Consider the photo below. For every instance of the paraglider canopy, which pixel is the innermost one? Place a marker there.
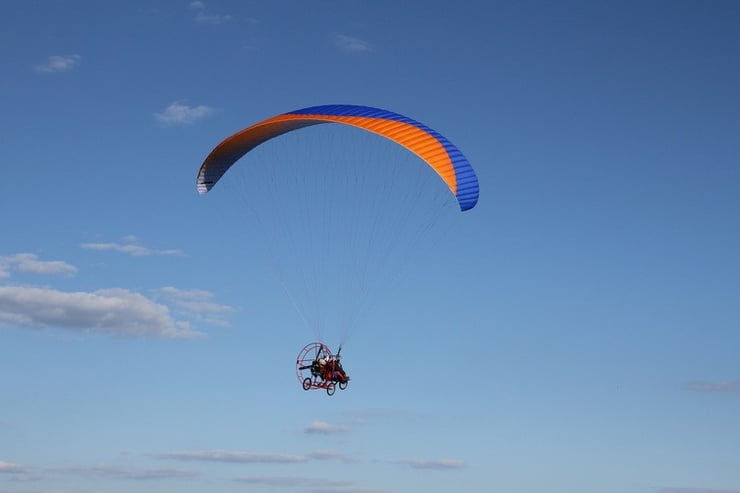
(438, 152)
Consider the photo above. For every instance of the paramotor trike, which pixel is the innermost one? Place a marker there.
(318, 368)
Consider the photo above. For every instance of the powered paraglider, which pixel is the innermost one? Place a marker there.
(340, 224)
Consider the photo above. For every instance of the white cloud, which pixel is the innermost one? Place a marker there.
(329, 455)
(28, 262)
(179, 113)
(208, 18)
(59, 63)
(348, 44)
(131, 247)
(110, 311)
(285, 481)
(195, 303)
(323, 428)
(242, 457)
(127, 472)
(335, 487)
(10, 468)
(718, 387)
(193, 300)
(441, 464)
(309, 485)
(205, 17)
(236, 457)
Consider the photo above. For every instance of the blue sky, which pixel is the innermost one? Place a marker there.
(577, 331)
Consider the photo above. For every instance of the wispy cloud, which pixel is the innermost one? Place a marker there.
(58, 63)
(441, 464)
(30, 263)
(10, 468)
(233, 457)
(110, 311)
(131, 246)
(195, 303)
(16, 472)
(285, 481)
(349, 44)
(309, 485)
(244, 457)
(204, 16)
(117, 472)
(326, 455)
(327, 487)
(323, 428)
(210, 18)
(178, 113)
(717, 387)
(193, 300)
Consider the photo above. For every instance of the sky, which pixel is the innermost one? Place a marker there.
(577, 331)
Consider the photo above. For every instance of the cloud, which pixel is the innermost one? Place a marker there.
(28, 262)
(205, 17)
(59, 63)
(327, 487)
(323, 428)
(242, 457)
(16, 473)
(309, 485)
(181, 114)
(193, 300)
(195, 303)
(10, 468)
(329, 455)
(441, 464)
(111, 311)
(348, 44)
(131, 246)
(127, 472)
(208, 18)
(233, 457)
(718, 387)
(285, 481)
